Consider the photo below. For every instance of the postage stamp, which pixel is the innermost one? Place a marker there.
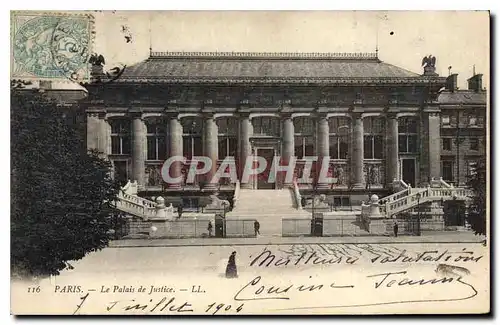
(49, 45)
(251, 163)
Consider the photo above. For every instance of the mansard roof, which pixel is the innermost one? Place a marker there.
(462, 97)
(245, 67)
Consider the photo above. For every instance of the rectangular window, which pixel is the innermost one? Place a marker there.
(445, 120)
(474, 144)
(265, 125)
(471, 167)
(378, 147)
(374, 147)
(156, 140)
(339, 147)
(472, 120)
(368, 147)
(339, 129)
(157, 148)
(446, 144)
(408, 143)
(304, 147)
(120, 137)
(447, 170)
(227, 147)
(192, 146)
(374, 128)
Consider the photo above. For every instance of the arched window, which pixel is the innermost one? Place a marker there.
(156, 139)
(340, 129)
(192, 144)
(228, 137)
(120, 136)
(374, 129)
(408, 134)
(266, 126)
(304, 137)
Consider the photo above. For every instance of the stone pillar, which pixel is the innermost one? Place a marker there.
(138, 156)
(357, 152)
(323, 136)
(392, 160)
(245, 147)
(175, 145)
(210, 149)
(104, 136)
(434, 149)
(288, 149)
(97, 133)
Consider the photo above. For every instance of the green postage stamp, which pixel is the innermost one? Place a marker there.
(51, 45)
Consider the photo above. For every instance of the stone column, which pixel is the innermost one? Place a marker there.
(392, 160)
(357, 152)
(104, 136)
(288, 149)
(210, 149)
(97, 133)
(323, 136)
(434, 136)
(138, 157)
(245, 147)
(175, 145)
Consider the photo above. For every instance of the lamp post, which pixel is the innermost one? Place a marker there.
(418, 214)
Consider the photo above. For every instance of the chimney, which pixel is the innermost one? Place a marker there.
(451, 82)
(476, 82)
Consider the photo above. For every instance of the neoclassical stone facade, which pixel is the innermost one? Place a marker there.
(376, 122)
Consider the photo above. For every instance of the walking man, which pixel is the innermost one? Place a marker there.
(256, 228)
(179, 210)
(210, 229)
(395, 227)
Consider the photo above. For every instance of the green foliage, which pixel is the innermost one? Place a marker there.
(62, 195)
(477, 209)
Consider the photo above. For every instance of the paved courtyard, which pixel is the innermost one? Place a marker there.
(426, 237)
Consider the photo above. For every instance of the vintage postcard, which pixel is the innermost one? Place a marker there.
(250, 163)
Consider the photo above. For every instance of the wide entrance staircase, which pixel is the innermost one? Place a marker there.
(268, 207)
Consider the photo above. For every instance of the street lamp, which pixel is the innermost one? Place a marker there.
(418, 214)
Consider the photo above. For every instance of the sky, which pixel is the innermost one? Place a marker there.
(459, 39)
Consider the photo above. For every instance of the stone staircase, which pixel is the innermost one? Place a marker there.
(412, 197)
(268, 207)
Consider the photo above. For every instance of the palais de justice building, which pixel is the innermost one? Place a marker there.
(377, 122)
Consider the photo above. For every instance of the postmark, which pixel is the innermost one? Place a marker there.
(51, 45)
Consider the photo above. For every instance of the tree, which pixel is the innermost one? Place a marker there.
(62, 196)
(477, 208)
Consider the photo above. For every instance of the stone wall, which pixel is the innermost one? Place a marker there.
(296, 227)
(240, 228)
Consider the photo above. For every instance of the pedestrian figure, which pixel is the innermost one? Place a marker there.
(231, 271)
(210, 229)
(395, 229)
(179, 210)
(256, 227)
